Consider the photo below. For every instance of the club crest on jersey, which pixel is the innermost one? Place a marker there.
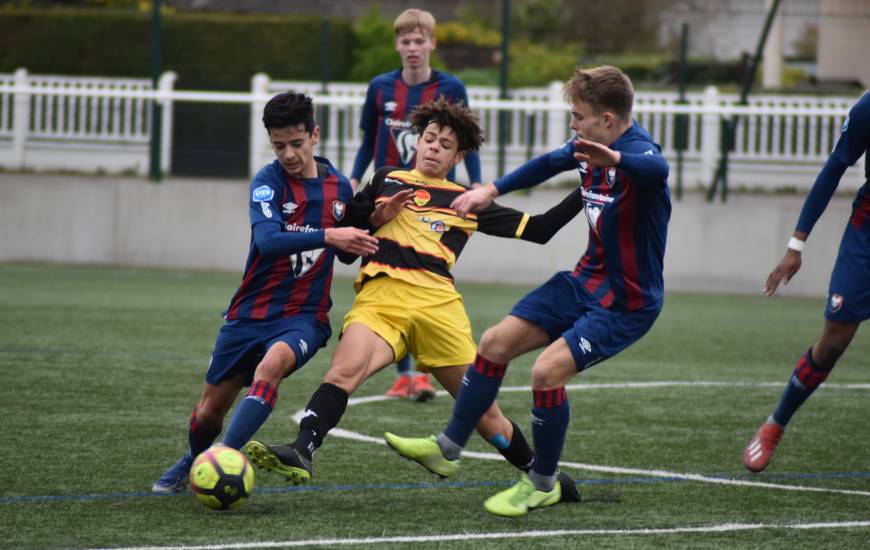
(836, 302)
(262, 193)
(611, 176)
(421, 197)
(338, 209)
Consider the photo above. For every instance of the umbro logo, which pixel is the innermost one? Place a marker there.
(289, 207)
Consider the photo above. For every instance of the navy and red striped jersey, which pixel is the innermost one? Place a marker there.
(627, 206)
(295, 278)
(853, 143)
(389, 138)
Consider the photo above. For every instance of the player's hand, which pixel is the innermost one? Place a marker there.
(351, 239)
(390, 208)
(475, 200)
(783, 272)
(595, 153)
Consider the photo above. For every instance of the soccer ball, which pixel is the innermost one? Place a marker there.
(221, 478)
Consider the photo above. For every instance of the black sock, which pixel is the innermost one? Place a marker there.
(518, 451)
(323, 412)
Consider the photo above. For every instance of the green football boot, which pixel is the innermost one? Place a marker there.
(522, 497)
(425, 452)
(282, 459)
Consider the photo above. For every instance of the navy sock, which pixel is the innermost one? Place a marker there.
(477, 393)
(250, 414)
(323, 412)
(550, 417)
(403, 365)
(201, 434)
(806, 378)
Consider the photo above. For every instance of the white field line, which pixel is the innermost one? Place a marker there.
(347, 434)
(722, 528)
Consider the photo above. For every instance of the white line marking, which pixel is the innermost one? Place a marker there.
(354, 436)
(722, 528)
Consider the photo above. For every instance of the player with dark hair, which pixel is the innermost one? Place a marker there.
(406, 299)
(277, 319)
(389, 137)
(580, 318)
(848, 292)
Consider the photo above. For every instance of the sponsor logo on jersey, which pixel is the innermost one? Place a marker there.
(836, 302)
(593, 205)
(421, 197)
(262, 194)
(438, 226)
(289, 207)
(406, 143)
(264, 206)
(338, 210)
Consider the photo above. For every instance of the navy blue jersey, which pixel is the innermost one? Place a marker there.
(389, 138)
(627, 207)
(854, 141)
(295, 279)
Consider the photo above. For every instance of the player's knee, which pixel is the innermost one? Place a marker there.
(210, 412)
(494, 347)
(544, 376)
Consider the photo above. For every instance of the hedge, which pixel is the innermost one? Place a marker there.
(207, 50)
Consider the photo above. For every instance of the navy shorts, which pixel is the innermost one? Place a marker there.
(562, 307)
(849, 291)
(241, 344)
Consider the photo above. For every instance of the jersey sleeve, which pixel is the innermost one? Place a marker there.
(853, 142)
(501, 221)
(645, 164)
(263, 199)
(368, 119)
(538, 169)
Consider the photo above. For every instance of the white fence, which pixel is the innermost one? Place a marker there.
(781, 141)
(81, 124)
(102, 124)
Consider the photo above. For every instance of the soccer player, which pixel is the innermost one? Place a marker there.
(406, 301)
(390, 139)
(848, 292)
(580, 318)
(277, 319)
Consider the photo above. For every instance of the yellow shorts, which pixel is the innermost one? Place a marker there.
(430, 324)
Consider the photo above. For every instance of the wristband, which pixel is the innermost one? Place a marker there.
(796, 244)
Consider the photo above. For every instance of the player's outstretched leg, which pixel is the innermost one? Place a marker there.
(282, 459)
(174, 480)
(425, 452)
(522, 497)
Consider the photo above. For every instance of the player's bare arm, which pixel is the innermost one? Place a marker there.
(388, 209)
(350, 239)
(475, 200)
(786, 269)
(595, 153)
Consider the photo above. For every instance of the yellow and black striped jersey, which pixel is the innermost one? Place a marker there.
(422, 243)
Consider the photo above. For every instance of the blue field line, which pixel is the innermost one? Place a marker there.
(21, 499)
